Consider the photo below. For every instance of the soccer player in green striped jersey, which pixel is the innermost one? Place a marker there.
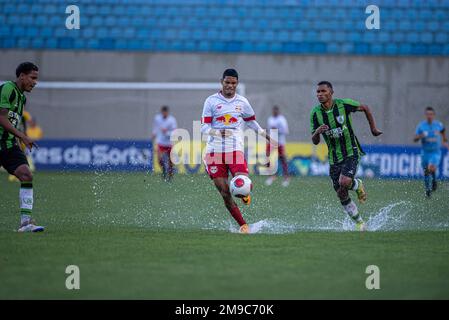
(12, 158)
(332, 119)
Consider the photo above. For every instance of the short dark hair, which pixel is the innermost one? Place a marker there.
(430, 109)
(326, 83)
(276, 107)
(230, 73)
(165, 108)
(26, 67)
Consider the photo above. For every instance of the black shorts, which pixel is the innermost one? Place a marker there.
(347, 167)
(12, 158)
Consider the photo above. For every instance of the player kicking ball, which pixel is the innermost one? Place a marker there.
(432, 134)
(332, 119)
(224, 115)
(12, 158)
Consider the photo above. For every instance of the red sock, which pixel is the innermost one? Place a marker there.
(237, 215)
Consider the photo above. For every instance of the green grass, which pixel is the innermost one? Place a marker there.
(135, 237)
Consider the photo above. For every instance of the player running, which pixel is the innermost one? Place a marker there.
(332, 119)
(432, 134)
(279, 122)
(224, 114)
(163, 126)
(12, 158)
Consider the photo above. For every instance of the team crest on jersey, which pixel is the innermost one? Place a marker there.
(341, 119)
(213, 169)
(238, 108)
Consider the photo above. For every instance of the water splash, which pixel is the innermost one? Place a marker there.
(392, 217)
(385, 220)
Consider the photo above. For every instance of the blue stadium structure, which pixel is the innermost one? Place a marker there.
(408, 27)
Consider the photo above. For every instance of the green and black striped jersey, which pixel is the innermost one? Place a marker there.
(12, 99)
(340, 138)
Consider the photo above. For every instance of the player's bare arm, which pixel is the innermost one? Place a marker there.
(372, 123)
(254, 125)
(4, 122)
(269, 139)
(316, 135)
(419, 137)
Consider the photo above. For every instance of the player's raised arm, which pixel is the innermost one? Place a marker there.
(369, 116)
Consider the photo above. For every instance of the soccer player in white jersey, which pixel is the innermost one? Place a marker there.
(163, 126)
(224, 116)
(279, 122)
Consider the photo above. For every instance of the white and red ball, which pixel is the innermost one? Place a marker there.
(240, 186)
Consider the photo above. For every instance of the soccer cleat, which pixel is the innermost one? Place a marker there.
(286, 183)
(360, 226)
(30, 228)
(244, 229)
(361, 193)
(428, 194)
(12, 178)
(247, 200)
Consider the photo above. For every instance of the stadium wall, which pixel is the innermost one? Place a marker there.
(397, 88)
(304, 159)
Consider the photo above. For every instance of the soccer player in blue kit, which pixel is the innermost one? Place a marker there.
(432, 135)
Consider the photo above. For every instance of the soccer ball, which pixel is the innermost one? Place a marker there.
(241, 186)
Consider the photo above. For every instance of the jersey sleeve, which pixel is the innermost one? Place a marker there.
(207, 115)
(351, 105)
(155, 125)
(174, 124)
(442, 128)
(284, 125)
(419, 129)
(5, 96)
(313, 121)
(248, 112)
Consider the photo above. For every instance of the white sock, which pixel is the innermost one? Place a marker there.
(24, 218)
(352, 211)
(26, 202)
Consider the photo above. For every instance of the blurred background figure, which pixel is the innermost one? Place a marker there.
(432, 134)
(34, 131)
(279, 122)
(163, 125)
